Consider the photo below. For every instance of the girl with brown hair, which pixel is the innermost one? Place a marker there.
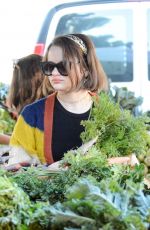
(28, 85)
(50, 127)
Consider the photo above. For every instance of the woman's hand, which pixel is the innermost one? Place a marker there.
(4, 139)
(127, 160)
(56, 167)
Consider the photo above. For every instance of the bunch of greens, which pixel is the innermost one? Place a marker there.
(104, 205)
(119, 132)
(95, 164)
(44, 185)
(40, 184)
(16, 210)
(14, 204)
(29, 180)
(52, 186)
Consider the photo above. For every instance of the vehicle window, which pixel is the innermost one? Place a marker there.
(111, 32)
(148, 29)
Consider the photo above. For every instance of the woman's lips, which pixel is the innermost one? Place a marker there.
(56, 81)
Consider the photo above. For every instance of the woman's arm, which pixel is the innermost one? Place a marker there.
(4, 139)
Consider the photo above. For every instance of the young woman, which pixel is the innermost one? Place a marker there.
(51, 126)
(28, 85)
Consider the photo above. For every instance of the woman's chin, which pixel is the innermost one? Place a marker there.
(61, 89)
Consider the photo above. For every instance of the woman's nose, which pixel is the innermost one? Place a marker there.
(55, 71)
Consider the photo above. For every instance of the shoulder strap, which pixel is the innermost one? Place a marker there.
(48, 125)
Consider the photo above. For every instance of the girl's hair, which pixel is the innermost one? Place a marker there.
(28, 82)
(79, 48)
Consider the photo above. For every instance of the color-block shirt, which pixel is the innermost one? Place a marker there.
(34, 128)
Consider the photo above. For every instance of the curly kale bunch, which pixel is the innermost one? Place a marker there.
(119, 132)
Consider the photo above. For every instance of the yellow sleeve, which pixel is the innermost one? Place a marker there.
(24, 136)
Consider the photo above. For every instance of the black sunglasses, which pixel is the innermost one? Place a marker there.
(48, 67)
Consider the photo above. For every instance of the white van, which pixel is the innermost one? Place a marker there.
(120, 31)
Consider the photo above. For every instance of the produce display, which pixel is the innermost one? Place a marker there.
(86, 193)
(90, 194)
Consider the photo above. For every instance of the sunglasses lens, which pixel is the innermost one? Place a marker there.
(47, 68)
(61, 67)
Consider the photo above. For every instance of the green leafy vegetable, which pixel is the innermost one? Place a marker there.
(101, 207)
(119, 132)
